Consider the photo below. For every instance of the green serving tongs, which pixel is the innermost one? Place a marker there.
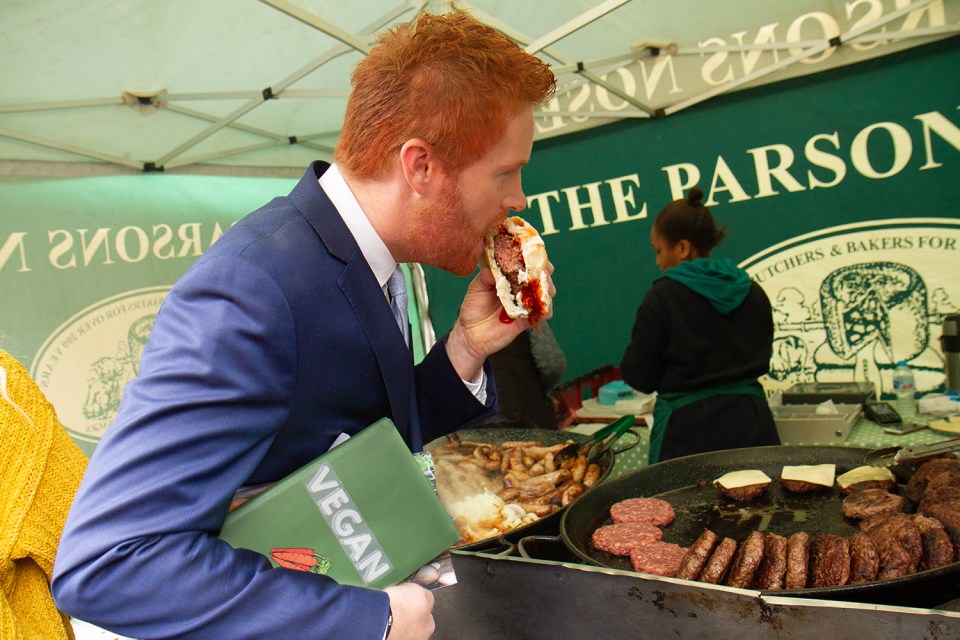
(604, 438)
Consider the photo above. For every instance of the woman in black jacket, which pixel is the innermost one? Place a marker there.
(702, 337)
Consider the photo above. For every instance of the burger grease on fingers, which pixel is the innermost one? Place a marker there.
(517, 258)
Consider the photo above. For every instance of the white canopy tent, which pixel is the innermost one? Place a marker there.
(258, 87)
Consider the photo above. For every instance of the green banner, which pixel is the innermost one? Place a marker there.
(868, 145)
(84, 266)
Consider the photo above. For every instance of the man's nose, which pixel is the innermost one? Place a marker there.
(515, 200)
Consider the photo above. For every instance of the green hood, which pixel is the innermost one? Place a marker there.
(718, 280)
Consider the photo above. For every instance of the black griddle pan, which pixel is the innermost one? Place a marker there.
(686, 483)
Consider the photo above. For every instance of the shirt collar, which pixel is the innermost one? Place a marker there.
(374, 251)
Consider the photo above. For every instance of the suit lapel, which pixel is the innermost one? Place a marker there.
(374, 315)
(360, 288)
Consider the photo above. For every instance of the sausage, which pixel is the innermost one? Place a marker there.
(830, 561)
(769, 576)
(798, 559)
(571, 493)
(695, 559)
(745, 564)
(592, 475)
(719, 561)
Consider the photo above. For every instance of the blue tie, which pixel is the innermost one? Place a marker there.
(397, 288)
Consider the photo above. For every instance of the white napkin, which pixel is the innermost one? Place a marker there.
(827, 408)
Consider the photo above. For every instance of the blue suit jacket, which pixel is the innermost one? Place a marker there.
(274, 342)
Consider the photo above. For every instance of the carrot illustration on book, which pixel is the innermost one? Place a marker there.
(301, 559)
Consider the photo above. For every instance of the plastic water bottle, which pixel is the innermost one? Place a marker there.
(905, 388)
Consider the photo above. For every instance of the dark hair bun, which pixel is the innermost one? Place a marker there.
(695, 197)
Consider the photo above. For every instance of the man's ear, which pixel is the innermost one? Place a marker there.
(417, 159)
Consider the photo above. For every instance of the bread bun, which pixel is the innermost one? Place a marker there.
(517, 258)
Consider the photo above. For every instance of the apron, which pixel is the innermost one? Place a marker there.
(667, 403)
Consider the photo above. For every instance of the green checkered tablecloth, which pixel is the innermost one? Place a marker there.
(870, 435)
(864, 433)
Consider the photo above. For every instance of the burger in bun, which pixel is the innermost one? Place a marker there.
(518, 259)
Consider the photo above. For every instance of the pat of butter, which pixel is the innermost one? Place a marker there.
(821, 474)
(744, 478)
(864, 474)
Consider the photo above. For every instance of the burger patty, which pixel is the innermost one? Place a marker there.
(937, 547)
(886, 485)
(942, 486)
(948, 513)
(798, 559)
(935, 494)
(870, 502)
(895, 561)
(509, 257)
(829, 561)
(949, 477)
(801, 486)
(745, 563)
(719, 561)
(918, 481)
(774, 566)
(621, 539)
(659, 558)
(864, 559)
(898, 543)
(652, 511)
(743, 494)
(903, 529)
(696, 558)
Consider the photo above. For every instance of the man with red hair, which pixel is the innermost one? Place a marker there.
(281, 337)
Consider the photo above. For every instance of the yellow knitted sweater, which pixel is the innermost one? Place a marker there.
(41, 470)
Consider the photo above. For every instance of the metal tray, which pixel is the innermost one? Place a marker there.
(801, 424)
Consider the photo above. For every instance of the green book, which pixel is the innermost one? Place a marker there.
(362, 513)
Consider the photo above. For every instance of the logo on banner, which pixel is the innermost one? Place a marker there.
(103, 343)
(849, 302)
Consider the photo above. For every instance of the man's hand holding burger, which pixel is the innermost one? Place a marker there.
(492, 315)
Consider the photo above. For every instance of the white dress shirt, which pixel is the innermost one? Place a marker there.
(374, 251)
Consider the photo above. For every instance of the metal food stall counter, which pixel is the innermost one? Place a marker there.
(498, 597)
